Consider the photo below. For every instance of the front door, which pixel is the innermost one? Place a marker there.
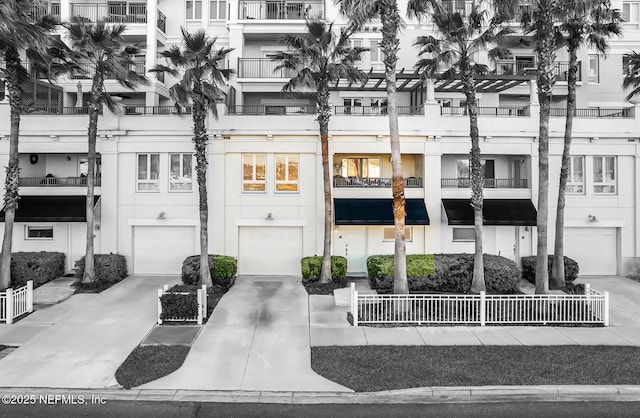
(351, 242)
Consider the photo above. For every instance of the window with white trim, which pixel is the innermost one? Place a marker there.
(376, 54)
(254, 172)
(38, 232)
(594, 68)
(575, 180)
(180, 172)
(631, 14)
(389, 233)
(148, 179)
(286, 173)
(464, 235)
(218, 9)
(193, 9)
(604, 175)
(361, 167)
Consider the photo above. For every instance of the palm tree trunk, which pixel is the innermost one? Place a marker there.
(557, 273)
(89, 275)
(200, 140)
(390, 18)
(324, 113)
(546, 80)
(12, 180)
(477, 183)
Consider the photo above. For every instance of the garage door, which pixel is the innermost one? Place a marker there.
(162, 249)
(593, 248)
(270, 250)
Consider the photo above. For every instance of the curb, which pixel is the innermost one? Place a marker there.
(426, 395)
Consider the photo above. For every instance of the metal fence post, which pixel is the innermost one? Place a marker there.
(159, 307)
(483, 309)
(606, 309)
(354, 304)
(199, 306)
(9, 304)
(204, 300)
(30, 296)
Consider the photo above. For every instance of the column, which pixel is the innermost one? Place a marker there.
(151, 51)
(65, 10)
(431, 91)
(533, 92)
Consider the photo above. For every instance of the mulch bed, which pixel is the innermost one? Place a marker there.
(148, 363)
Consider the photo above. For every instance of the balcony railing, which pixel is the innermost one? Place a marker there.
(56, 181)
(595, 112)
(377, 110)
(486, 111)
(530, 69)
(53, 110)
(162, 22)
(461, 7)
(155, 110)
(139, 66)
(45, 8)
(261, 68)
(111, 12)
(448, 183)
(271, 110)
(369, 182)
(280, 10)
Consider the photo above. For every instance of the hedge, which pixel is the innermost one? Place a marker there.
(634, 272)
(110, 268)
(41, 267)
(571, 268)
(445, 273)
(311, 266)
(179, 306)
(222, 268)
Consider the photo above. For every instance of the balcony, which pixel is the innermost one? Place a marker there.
(155, 110)
(530, 69)
(595, 112)
(54, 110)
(261, 68)
(50, 181)
(112, 12)
(369, 182)
(459, 183)
(45, 8)
(456, 6)
(486, 111)
(280, 10)
(377, 110)
(271, 110)
(139, 66)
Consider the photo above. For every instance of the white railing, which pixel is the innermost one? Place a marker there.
(201, 297)
(482, 309)
(14, 303)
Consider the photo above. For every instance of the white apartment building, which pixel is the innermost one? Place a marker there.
(265, 173)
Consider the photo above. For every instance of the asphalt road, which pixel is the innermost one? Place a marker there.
(196, 409)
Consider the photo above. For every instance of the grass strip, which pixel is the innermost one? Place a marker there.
(376, 368)
(148, 363)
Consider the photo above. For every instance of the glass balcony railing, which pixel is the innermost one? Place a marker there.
(280, 10)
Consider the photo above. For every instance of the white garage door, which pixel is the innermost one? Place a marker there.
(162, 249)
(270, 250)
(593, 248)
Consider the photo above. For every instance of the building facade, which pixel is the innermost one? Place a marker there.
(265, 175)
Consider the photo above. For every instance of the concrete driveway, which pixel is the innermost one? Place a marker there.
(81, 342)
(624, 296)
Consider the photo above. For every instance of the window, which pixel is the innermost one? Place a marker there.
(464, 234)
(604, 175)
(626, 65)
(361, 167)
(631, 14)
(594, 70)
(375, 51)
(148, 172)
(253, 172)
(194, 9)
(218, 9)
(464, 172)
(389, 233)
(350, 105)
(379, 105)
(38, 232)
(286, 173)
(575, 182)
(180, 172)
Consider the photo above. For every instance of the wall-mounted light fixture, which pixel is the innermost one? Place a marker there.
(161, 215)
(269, 137)
(379, 137)
(592, 218)
(269, 217)
(53, 137)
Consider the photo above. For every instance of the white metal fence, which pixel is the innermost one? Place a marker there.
(590, 308)
(14, 303)
(201, 297)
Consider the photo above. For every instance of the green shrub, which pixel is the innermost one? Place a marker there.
(634, 273)
(571, 268)
(179, 305)
(380, 271)
(310, 267)
(110, 268)
(223, 269)
(41, 267)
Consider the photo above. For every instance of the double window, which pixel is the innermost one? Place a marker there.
(38, 232)
(389, 233)
(181, 172)
(286, 172)
(575, 181)
(218, 9)
(193, 9)
(604, 175)
(254, 172)
(631, 14)
(148, 173)
(464, 234)
(360, 167)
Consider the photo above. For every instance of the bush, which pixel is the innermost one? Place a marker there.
(445, 273)
(571, 268)
(310, 267)
(110, 269)
(41, 267)
(179, 305)
(634, 273)
(223, 269)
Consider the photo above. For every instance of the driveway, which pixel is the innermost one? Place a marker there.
(624, 297)
(257, 339)
(82, 341)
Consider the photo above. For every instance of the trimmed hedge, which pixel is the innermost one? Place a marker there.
(310, 267)
(41, 267)
(634, 272)
(179, 306)
(571, 269)
(445, 273)
(110, 268)
(223, 269)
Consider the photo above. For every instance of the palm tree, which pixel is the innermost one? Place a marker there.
(360, 12)
(589, 22)
(19, 30)
(460, 39)
(632, 77)
(104, 54)
(201, 84)
(317, 59)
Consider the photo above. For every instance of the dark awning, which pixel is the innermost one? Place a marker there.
(377, 212)
(519, 212)
(51, 209)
